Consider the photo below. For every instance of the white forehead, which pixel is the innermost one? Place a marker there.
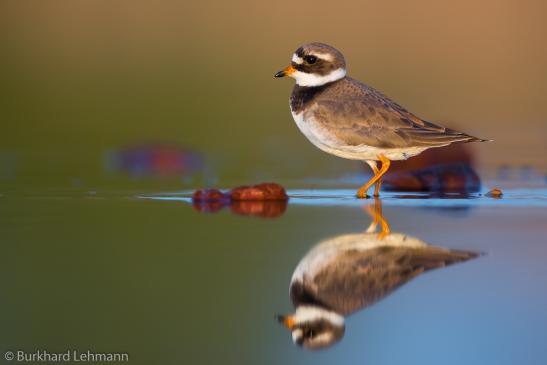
(324, 56)
(297, 334)
(297, 59)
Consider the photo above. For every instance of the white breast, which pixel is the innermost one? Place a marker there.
(317, 135)
(327, 141)
(328, 250)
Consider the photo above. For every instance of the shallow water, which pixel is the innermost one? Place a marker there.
(147, 274)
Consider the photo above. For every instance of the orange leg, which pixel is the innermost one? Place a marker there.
(362, 193)
(378, 183)
(378, 217)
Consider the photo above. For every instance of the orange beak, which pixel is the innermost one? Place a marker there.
(285, 72)
(287, 321)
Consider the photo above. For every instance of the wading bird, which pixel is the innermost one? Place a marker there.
(349, 119)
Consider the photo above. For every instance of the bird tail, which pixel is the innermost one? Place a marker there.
(477, 139)
(464, 137)
(436, 257)
(437, 138)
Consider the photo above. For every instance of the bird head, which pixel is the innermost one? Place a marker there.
(313, 327)
(315, 64)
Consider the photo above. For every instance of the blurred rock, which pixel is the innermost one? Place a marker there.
(267, 200)
(494, 193)
(209, 195)
(264, 209)
(209, 200)
(154, 159)
(205, 206)
(453, 154)
(454, 178)
(265, 191)
(438, 170)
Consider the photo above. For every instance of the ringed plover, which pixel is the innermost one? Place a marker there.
(349, 119)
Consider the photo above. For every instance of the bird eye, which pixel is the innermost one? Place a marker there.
(310, 59)
(308, 333)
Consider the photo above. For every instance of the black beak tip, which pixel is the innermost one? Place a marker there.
(280, 318)
(280, 74)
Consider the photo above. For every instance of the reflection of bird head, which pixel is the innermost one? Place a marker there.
(314, 327)
(348, 272)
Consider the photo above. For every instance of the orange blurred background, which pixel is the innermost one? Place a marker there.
(83, 77)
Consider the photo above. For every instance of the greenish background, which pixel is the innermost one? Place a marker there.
(87, 264)
(79, 78)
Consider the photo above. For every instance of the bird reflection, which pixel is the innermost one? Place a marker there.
(346, 273)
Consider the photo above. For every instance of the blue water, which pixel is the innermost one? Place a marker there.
(150, 275)
(490, 310)
(536, 197)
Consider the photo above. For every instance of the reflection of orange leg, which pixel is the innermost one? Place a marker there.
(378, 217)
(362, 193)
(372, 227)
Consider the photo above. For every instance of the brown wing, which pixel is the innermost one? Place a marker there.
(360, 115)
(357, 279)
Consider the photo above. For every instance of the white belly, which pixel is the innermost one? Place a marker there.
(328, 250)
(326, 141)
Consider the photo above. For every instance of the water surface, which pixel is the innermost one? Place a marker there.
(147, 274)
